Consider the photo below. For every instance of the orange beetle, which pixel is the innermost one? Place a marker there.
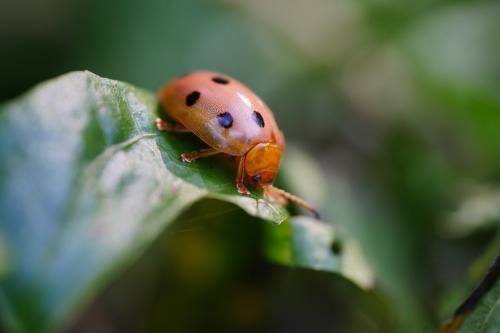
(233, 120)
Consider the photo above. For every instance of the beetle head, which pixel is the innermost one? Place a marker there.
(262, 163)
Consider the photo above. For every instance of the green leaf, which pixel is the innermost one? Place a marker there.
(86, 184)
(480, 311)
(485, 317)
(308, 243)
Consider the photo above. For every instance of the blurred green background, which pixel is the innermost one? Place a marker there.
(398, 104)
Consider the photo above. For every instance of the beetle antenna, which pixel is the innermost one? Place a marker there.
(277, 191)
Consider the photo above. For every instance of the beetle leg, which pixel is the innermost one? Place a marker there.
(162, 125)
(190, 157)
(270, 194)
(240, 176)
(281, 195)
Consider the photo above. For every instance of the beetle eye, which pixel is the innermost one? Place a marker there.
(256, 178)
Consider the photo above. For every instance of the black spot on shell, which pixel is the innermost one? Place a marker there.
(192, 98)
(220, 80)
(225, 119)
(257, 117)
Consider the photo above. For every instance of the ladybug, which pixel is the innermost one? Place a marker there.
(231, 119)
